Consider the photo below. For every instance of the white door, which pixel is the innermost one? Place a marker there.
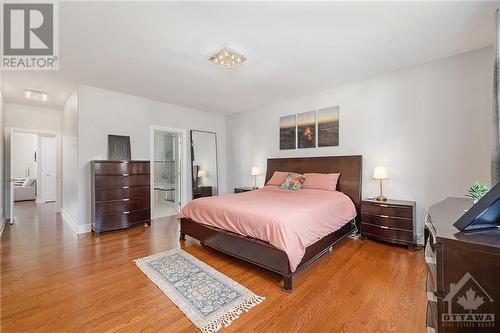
(47, 174)
(11, 177)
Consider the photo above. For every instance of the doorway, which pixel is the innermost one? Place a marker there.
(167, 151)
(32, 170)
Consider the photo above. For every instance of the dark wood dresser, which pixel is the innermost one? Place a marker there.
(463, 278)
(120, 194)
(391, 221)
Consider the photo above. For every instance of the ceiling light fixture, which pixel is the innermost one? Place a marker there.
(227, 58)
(35, 95)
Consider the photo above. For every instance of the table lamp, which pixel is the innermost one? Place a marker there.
(255, 172)
(380, 173)
(201, 174)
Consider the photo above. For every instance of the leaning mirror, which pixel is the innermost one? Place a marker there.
(204, 163)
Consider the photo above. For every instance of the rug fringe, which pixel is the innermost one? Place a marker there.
(232, 314)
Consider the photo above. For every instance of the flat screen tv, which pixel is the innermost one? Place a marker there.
(485, 214)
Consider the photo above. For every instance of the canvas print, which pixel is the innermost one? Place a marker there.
(306, 129)
(287, 132)
(328, 127)
(119, 148)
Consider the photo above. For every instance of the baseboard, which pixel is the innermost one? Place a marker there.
(77, 229)
(2, 222)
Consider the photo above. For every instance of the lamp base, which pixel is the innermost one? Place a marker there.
(381, 198)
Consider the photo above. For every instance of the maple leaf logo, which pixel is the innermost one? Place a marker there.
(470, 301)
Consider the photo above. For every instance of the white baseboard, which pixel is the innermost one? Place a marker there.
(2, 221)
(77, 229)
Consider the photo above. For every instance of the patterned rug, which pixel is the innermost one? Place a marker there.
(207, 297)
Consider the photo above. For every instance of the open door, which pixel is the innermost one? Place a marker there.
(47, 158)
(10, 146)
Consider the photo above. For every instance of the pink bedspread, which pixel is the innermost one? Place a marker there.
(288, 220)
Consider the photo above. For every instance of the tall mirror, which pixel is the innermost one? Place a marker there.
(204, 163)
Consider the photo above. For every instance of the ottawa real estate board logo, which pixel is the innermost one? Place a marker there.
(468, 305)
(30, 38)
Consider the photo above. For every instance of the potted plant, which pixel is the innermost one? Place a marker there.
(477, 191)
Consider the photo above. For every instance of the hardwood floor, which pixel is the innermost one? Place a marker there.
(54, 281)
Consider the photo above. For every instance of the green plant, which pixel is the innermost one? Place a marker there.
(477, 191)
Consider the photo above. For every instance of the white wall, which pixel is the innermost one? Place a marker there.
(429, 125)
(102, 112)
(70, 174)
(32, 117)
(24, 154)
(2, 158)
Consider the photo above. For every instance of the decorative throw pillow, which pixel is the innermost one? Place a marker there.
(278, 178)
(321, 181)
(293, 182)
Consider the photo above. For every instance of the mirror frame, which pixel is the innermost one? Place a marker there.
(192, 158)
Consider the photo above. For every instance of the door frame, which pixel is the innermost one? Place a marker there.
(57, 135)
(183, 154)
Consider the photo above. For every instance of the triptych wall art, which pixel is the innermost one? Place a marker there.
(310, 129)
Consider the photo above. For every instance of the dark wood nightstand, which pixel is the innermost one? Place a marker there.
(243, 189)
(202, 191)
(391, 221)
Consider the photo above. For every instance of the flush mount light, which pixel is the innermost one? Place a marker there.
(34, 95)
(227, 58)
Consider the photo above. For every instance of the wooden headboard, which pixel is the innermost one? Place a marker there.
(349, 167)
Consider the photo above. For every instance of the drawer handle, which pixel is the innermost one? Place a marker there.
(125, 187)
(384, 227)
(125, 213)
(125, 199)
(385, 216)
(125, 175)
(382, 205)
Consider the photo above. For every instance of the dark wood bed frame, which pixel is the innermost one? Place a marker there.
(264, 254)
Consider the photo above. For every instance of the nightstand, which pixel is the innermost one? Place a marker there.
(202, 191)
(243, 189)
(392, 221)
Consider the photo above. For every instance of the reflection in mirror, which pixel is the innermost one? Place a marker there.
(204, 163)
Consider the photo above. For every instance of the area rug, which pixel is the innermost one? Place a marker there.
(207, 297)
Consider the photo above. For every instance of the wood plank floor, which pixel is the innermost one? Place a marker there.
(54, 281)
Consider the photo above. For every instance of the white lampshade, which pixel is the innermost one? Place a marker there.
(202, 173)
(380, 172)
(255, 171)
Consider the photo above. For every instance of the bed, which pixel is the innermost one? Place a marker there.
(204, 219)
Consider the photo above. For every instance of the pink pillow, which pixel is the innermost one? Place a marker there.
(321, 181)
(278, 178)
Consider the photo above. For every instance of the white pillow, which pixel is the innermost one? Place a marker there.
(29, 181)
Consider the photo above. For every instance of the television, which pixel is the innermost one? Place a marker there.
(485, 214)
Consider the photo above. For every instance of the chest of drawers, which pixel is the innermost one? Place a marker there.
(463, 274)
(120, 194)
(391, 221)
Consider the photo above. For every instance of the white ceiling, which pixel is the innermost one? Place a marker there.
(160, 50)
